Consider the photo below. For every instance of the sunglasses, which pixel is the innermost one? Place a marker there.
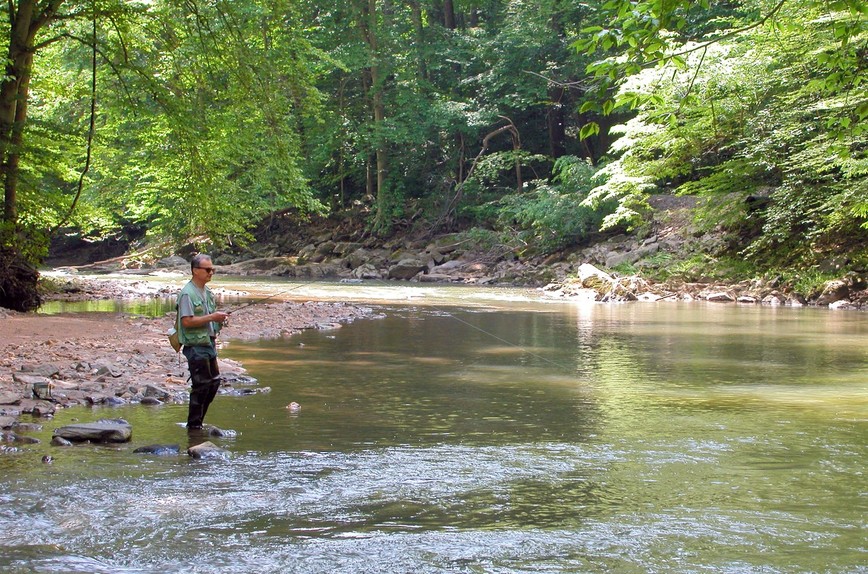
(209, 270)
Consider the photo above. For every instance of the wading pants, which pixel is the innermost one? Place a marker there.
(202, 362)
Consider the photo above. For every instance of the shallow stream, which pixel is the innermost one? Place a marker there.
(486, 432)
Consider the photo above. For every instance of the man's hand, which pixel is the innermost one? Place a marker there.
(192, 321)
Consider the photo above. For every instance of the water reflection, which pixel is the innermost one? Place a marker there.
(467, 439)
(156, 307)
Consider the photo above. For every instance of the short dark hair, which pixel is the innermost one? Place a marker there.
(198, 259)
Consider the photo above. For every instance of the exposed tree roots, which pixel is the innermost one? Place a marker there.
(18, 282)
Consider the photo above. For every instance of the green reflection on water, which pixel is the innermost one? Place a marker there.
(156, 307)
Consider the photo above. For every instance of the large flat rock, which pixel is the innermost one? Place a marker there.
(109, 430)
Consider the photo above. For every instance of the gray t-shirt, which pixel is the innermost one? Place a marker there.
(185, 309)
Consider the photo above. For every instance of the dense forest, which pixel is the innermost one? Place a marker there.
(543, 122)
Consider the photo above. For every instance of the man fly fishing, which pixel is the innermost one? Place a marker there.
(199, 323)
(198, 326)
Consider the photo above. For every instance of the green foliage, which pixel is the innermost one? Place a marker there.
(664, 266)
(197, 133)
(645, 33)
(212, 115)
(27, 242)
(220, 158)
(486, 239)
(808, 282)
(625, 268)
(691, 268)
(553, 215)
(547, 219)
(741, 119)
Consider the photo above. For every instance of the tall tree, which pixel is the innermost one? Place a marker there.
(26, 20)
(370, 17)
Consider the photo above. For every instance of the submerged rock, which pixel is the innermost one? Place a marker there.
(237, 379)
(155, 392)
(11, 437)
(211, 430)
(26, 427)
(159, 449)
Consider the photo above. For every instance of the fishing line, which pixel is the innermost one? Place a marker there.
(263, 299)
(519, 347)
(462, 321)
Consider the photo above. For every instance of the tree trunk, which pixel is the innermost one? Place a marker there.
(370, 29)
(12, 155)
(474, 17)
(18, 275)
(448, 14)
(17, 72)
(555, 117)
(26, 21)
(416, 8)
(555, 120)
(452, 203)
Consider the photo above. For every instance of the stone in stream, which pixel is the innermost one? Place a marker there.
(7, 422)
(104, 430)
(236, 379)
(60, 441)
(155, 392)
(211, 430)
(113, 402)
(207, 449)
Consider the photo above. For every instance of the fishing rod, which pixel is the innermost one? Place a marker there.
(263, 299)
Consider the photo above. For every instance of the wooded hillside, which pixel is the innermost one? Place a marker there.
(537, 124)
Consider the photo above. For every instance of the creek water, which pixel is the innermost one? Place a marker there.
(493, 435)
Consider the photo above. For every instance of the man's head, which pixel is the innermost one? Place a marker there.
(202, 268)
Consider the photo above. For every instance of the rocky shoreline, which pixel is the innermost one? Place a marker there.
(607, 268)
(614, 266)
(50, 362)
